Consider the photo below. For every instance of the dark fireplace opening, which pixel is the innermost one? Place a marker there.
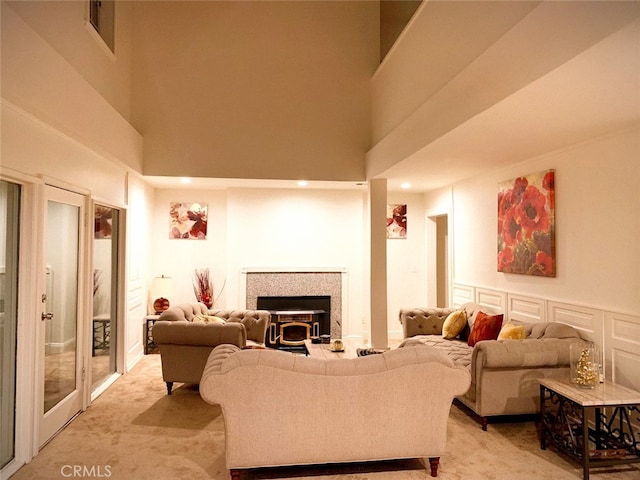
(287, 327)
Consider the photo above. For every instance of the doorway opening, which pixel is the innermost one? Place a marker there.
(438, 261)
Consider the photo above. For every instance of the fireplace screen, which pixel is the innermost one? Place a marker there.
(295, 319)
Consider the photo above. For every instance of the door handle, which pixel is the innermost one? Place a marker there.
(46, 316)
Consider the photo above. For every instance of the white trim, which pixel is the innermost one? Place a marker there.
(26, 349)
(616, 333)
(585, 319)
(93, 33)
(462, 294)
(246, 270)
(525, 309)
(100, 389)
(61, 184)
(622, 349)
(493, 299)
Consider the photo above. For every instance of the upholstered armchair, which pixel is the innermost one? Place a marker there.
(187, 333)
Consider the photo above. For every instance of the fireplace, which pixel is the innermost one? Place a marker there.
(304, 289)
(296, 318)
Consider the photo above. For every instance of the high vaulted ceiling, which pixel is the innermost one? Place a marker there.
(540, 77)
(580, 80)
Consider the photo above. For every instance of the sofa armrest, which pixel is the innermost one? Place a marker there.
(202, 334)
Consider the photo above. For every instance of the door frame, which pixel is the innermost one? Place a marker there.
(120, 300)
(26, 348)
(83, 303)
(439, 260)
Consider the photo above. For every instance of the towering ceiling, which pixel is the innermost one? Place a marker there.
(265, 90)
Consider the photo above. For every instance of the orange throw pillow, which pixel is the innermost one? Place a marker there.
(486, 327)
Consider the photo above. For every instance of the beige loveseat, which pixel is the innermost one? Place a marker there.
(285, 409)
(504, 373)
(187, 333)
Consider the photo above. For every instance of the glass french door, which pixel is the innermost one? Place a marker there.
(61, 312)
(9, 245)
(105, 287)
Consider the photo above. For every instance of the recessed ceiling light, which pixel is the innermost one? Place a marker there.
(185, 180)
(405, 185)
(303, 183)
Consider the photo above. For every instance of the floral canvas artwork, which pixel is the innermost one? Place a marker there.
(526, 225)
(103, 222)
(188, 220)
(396, 221)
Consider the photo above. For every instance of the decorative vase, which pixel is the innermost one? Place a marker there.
(203, 287)
(584, 364)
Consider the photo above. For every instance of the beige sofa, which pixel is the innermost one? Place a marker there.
(285, 409)
(504, 373)
(187, 333)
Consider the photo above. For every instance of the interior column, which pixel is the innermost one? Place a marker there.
(378, 261)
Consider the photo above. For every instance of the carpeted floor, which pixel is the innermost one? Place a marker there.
(134, 431)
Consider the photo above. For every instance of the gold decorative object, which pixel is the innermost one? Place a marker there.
(584, 364)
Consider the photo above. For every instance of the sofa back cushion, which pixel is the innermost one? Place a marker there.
(256, 322)
(367, 365)
(198, 334)
(184, 311)
(423, 321)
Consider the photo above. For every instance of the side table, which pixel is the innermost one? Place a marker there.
(149, 342)
(595, 427)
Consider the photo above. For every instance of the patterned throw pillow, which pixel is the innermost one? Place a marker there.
(454, 324)
(486, 327)
(208, 319)
(214, 319)
(510, 331)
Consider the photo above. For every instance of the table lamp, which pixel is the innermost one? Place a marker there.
(161, 288)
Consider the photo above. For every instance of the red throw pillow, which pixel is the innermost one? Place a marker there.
(486, 327)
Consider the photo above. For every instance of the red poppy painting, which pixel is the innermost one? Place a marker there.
(526, 225)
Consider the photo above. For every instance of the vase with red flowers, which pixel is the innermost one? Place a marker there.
(203, 287)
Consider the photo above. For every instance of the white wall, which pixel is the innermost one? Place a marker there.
(300, 229)
(58, 125)
(64, 26)
(406, 263)
(178, 258)
(282, 229)
(139, 269)
(290, 229)
(597, 224)
(41, 83)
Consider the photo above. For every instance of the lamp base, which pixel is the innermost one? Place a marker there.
(160, 305)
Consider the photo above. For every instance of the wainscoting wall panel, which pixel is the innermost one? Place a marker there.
(525, 309)
(493, 299)
(136, 312)
(622, 349)
(463, 294)
(586, 319)
(616, 334)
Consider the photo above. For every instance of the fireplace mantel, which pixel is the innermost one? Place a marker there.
(293, 270)
(297, 281)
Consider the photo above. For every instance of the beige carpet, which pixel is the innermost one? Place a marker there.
(134, 431)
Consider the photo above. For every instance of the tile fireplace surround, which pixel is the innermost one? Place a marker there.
(274, 283)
